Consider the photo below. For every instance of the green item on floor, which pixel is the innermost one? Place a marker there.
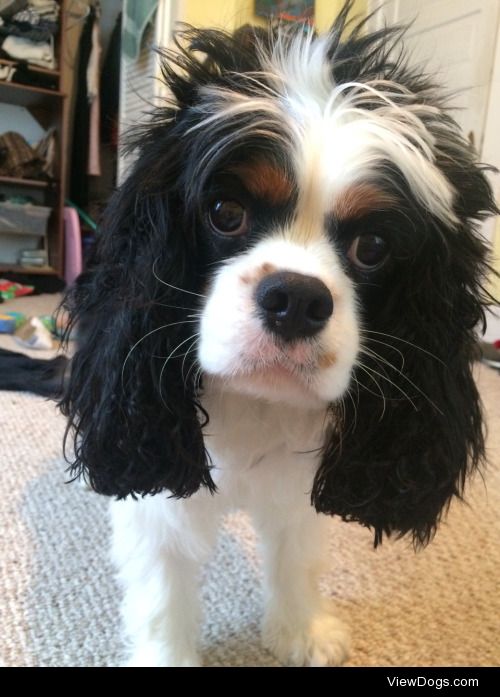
(9, 289)
(48, 322)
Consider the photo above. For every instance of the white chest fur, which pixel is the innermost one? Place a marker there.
(264, 457)
(261, 449)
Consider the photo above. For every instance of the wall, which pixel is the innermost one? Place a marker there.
(224, 14)
(491, 154)
(229, 14)
(326, 10)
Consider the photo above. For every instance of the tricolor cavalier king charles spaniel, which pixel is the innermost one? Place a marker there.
(279, 316)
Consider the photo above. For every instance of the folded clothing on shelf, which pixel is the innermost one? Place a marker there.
(43, 31)
(33, 257)
(37, 11)
(35, 22)
(8, 8)
(39, 53)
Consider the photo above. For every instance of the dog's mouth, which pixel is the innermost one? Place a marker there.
(299, 360)
(280, 369)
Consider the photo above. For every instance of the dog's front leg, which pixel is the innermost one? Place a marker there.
(299, 626)
(158, 548)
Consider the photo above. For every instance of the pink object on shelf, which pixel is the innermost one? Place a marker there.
(73, 245)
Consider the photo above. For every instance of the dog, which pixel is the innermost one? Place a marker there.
(279, 316)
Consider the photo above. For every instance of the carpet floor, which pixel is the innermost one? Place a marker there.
(59, 602)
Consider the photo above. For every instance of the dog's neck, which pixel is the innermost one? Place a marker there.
(243, 428)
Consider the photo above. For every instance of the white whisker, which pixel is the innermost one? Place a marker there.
(404, 341)
(169, 285)
(153, 331)
(160, 379)
(369, 373)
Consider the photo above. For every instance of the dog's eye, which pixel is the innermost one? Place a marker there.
(228, 218)
(368, 252)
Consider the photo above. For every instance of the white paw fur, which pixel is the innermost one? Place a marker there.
(323, 641)
(154, 654)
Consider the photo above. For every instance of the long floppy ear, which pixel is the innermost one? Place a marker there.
(393, 461)
(131, 396)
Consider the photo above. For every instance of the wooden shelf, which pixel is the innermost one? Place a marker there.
(31, 183)
(27, 95)
(17, 268)
(32, 67)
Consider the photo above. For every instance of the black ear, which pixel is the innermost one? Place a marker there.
(131, 396)
(411, 431)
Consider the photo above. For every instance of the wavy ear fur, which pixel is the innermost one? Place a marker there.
(131, 398)
(131, 395)
(403, 446)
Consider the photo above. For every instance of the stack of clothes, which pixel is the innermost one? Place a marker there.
(27, 32)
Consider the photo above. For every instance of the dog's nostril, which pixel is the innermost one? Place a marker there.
(293, 305)
(320, 308)
(275, 301)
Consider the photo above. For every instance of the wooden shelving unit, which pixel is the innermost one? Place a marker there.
(30, 183)
(34, 68)
(28, 270)
(50, 108)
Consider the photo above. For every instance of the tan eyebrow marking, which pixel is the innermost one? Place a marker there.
(266, 181)
(360, 199)
(258, 274)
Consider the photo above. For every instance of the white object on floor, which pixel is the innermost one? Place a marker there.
(34, 335)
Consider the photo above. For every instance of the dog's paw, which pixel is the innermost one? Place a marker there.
(324, 641)
(156, 655)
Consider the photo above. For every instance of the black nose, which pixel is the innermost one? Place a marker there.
(293, 305)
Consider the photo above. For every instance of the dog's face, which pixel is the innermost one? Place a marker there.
(280, 320)
(311, 188)
(300, 225)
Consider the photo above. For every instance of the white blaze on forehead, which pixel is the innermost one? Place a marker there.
(339, 141)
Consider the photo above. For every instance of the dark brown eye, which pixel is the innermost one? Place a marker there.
(368, 252)
(228, 218)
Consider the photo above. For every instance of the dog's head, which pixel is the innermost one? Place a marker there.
(301, 224)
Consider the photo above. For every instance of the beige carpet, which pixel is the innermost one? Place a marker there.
(58, 601)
